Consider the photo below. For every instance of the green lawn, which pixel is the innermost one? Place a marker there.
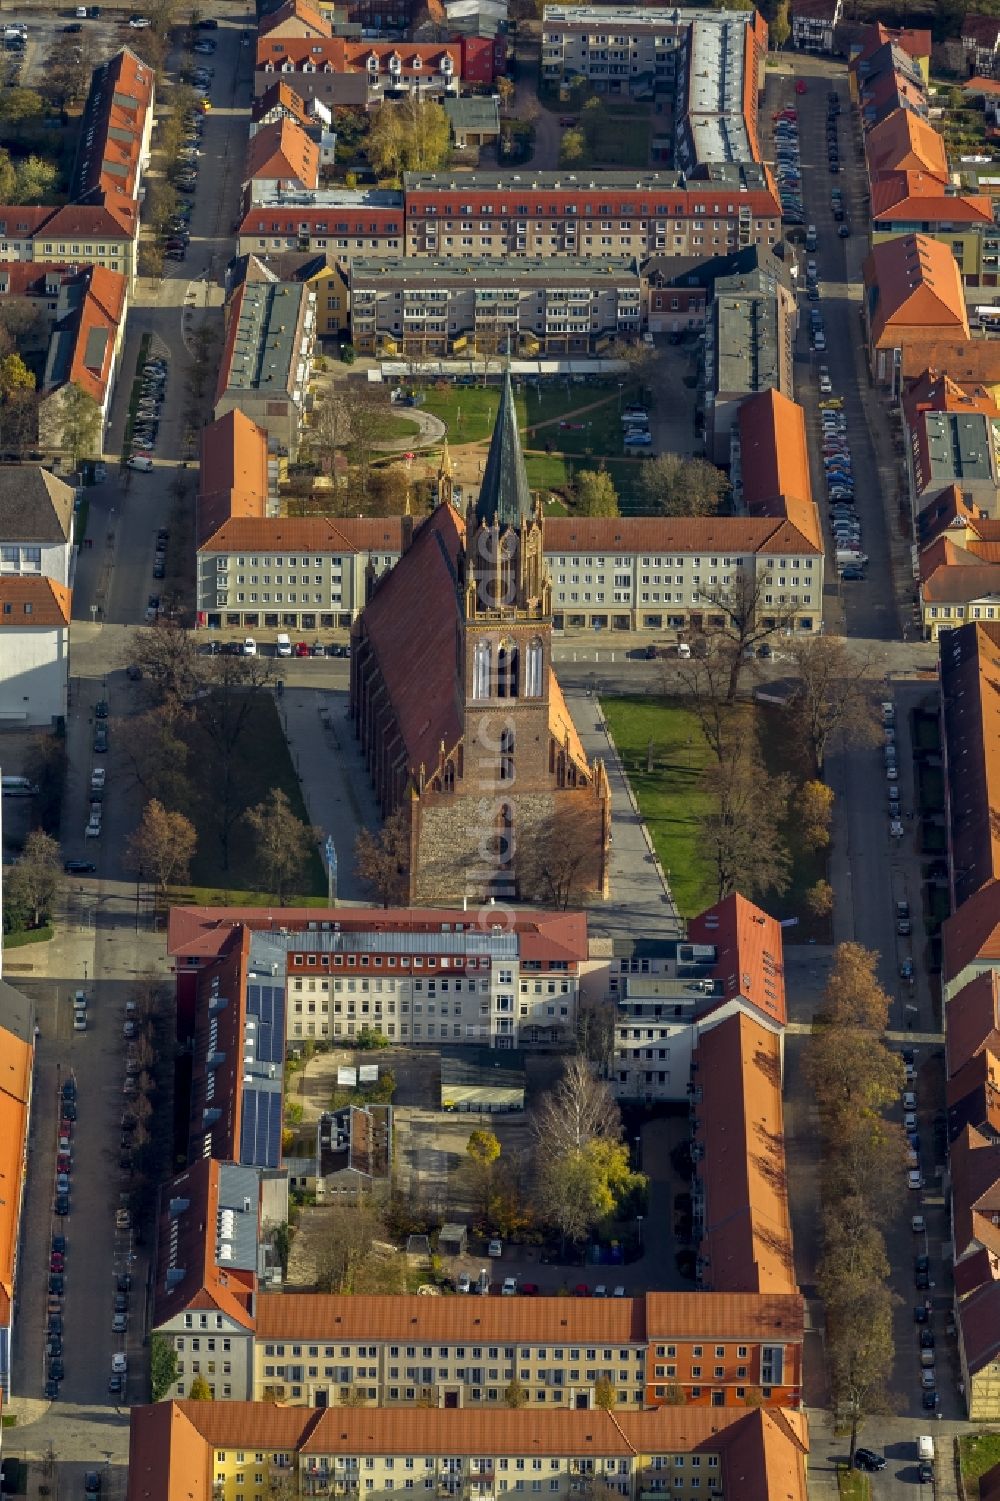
(263, 763)
(470, 411)
(977, 1453)
(672, 803)
(621, 141)
(670, 798)
(853, 1485)
(396, 426)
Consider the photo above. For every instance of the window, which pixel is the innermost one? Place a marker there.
(507, 755)
(507, 669)
(482, 663)
(534, 659)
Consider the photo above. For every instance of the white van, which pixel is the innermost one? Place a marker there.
(18, 787)
(925, 1447)
(684, 651)
(851, 555)
(283, 645)
(141, 462)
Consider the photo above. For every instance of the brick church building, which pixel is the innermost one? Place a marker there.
(456, 705)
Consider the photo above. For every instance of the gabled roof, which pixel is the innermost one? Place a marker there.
(644, 534)
(983, 31)
(936, 391)
(774, 462)
(16, 1061)
(959, 578)
(35, 506)
(908, 195)
(913, 41)
(749, 962)
(308, 534)
(946, 510)
(979, 1321)
(280, 96)
(972, 934)
(974, 1163)
(970, 711)
(33, 604)
(108, 219)
(747, 1240)
(187, 1272)
(299, 14)
(905, 142)
(283, 151)
(233, 479)
(504, 495)
(83, 343)
(121, 94)
(967, 361)
(913, 287)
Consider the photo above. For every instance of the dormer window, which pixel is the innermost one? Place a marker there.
(395, 63)
(447, 66)
(418, 63)
(373, 63)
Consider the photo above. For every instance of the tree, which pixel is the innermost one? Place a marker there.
(779, 27)
(572, 148)
(283, 842)
(505, 88)
(18, 105)
(163, 846)
(223, 717)
(166, 654)
(742, 826)
(595, 493)
(36, 179)
(483, 1152)
(579, 1110)
(671, 485)
(860, 1355)
(853, 995)
(408, 135)
(705, 681)
(515, 1394)
(158, 754)
(605, 1396)
(162, 1366)
(81, 423)
(15, 378)
(351, 1228)
(200, 1391)
(34, 881)
(819, 899)
(850, 1072)
(556, 861)
(674, 1394)
(746, 616)
(832, 696)
(584, 1186)
(813, 810)
(8, 178)
(382, 860)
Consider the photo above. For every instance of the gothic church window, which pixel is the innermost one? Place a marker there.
(507, 670)
(533, 669)
(482, 665)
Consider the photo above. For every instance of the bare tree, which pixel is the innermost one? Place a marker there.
(382, 860)
(580, 1109)
(833, 696)
(705, 681)
(747, 620)
(158, 754)
(166, 654)
(283, 842)
(162, 847)
(224, 715)
(742, 829)
(556, 860)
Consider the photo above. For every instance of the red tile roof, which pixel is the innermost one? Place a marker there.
(204, 931)
(750, 961)
(747, 1240)
(916, 288)
(121, 96)
(916, 42)
(938, 392)
(983, 31)
(233, 480)
(280, 96)
(970, 700)
(967, 361)
(909, 195)
(33, 604)
(972, 934)
(100, 313)
(958, 578)
(307, 534)
(336, 55)
(310, 21)
(112, 220)
(587, 534)
(16, 1063)
(187, 1242)
(774, 462)
(905, 142)
(283, 152)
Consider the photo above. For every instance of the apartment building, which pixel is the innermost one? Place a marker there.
(341, 73)
(337, 222)
(309, 1349)
(75, 233)
(952, 436)
(34, 652)
(84, 349)
(36, 524)
(668, 991)
(197, 1451)
(670, 573)
(908, 202)
(418, 976)
(479, 215)
(748, 348)
(958, 584)
(430, 308)
(17, 1061)
(281, 158)
(266, 358)
(912, 296)
(970, 723)
(710, 61)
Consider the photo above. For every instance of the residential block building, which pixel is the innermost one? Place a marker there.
(256, 567)
(970, 720)
(912, 296)
(416, 976)
(266, 358)
(911, 202)
(980, 37)
(337, 222)
(426, 308)
(84, 349)
(194, 1451)
(34, 651)
(36, 524)
(343, 73)
(748, 348)
(17, 1062)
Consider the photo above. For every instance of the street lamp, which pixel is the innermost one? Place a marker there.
(638, 1222)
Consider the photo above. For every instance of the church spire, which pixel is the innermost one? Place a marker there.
(505, 495)
(445, 477)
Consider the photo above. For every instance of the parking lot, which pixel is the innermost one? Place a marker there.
(46, 30)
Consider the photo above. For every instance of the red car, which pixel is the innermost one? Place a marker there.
(800, 86)
(57, 1262)
(64, 1163)
(582, 1290)
(301, 648)
(529, 1289)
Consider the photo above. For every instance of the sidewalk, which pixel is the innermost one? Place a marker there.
(332, 775)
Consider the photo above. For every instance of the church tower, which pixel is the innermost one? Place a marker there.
(505, 637)
(445, 478)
